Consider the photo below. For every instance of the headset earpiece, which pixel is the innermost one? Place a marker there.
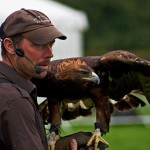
(19, 52)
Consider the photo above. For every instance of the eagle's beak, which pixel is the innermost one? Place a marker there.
(95, 78)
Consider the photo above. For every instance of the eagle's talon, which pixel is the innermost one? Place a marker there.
(51, 147)
(98, 138)
(52, 141)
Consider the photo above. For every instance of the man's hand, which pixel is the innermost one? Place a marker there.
(76, 141)
(79, 142)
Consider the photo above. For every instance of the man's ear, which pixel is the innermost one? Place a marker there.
(9, 46)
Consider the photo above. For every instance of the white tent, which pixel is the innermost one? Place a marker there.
(69, 21)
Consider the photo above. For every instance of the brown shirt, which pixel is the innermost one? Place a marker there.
(21, 124)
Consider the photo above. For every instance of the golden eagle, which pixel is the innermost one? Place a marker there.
(61, 81)
(121, 73)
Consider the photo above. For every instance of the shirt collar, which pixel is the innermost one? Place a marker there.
(12, 75)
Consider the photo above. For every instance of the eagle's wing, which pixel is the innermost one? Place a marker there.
(124, 58)
(127, 72)
(120, 72)
(77, 108)
(128, 102)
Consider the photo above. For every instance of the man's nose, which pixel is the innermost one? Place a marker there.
(49, 52)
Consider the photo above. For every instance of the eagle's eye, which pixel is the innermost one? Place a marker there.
(83, 73)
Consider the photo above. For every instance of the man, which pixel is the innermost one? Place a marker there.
(27, 37)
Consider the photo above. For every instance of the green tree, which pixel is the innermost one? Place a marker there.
(117, 24)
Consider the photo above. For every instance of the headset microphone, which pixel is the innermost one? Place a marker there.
(38, 70)
(20, 53)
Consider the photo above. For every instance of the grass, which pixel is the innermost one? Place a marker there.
(121, 137)
(134, 137)
(143, 110)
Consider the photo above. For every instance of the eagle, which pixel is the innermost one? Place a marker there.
(73, 77)
(121, 73)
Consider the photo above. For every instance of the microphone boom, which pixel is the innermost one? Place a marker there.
(20, 53)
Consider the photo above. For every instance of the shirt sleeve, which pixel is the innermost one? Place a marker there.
(19, 126)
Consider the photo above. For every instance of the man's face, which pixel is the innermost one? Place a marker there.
(35, 56)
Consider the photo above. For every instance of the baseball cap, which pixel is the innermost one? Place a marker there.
(33, 25)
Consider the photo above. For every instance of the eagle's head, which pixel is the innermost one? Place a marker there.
(77, 73)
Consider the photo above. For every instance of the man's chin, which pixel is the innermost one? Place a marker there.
(41, 75)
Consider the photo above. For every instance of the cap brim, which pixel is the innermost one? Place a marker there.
(44, 35)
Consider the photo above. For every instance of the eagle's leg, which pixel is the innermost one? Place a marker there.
(97, 137)
(55, 121)
(54, 136)
(103, 113)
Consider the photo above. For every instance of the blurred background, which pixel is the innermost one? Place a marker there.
(94, 27)
(117, 24)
